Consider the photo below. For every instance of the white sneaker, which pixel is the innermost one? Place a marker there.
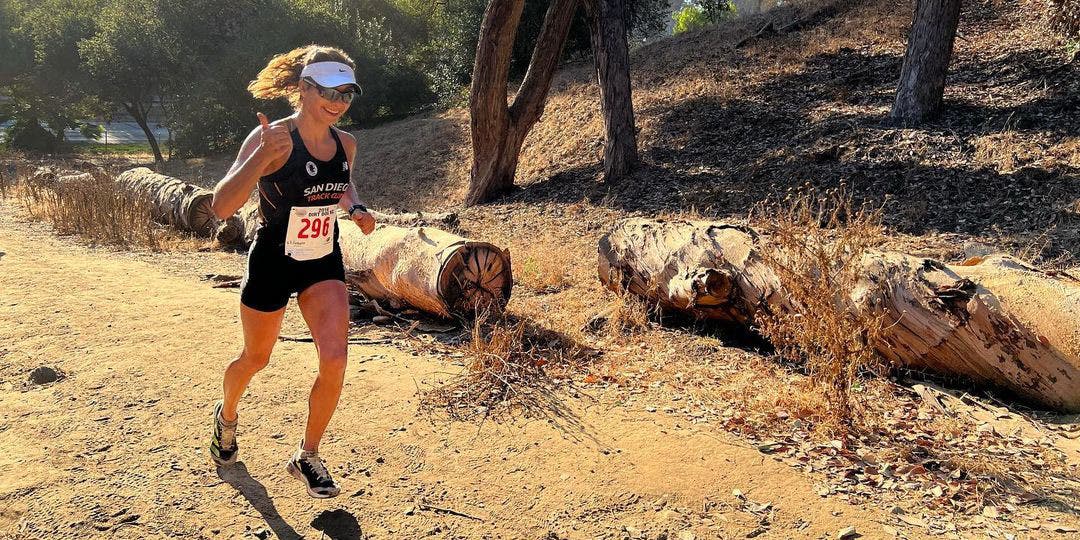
(309, 468)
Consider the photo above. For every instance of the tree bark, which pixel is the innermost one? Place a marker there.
(432, 270)
(994, 319)
(611, 56)
(173, 202)
(922, 77)
(498, 130)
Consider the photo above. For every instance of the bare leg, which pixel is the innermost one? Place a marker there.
(260, 333)
(325, 306)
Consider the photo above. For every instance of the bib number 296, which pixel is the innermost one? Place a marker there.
(311, 232)
(314, 228)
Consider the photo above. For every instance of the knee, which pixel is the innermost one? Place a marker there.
(253, 361)
(333, 364)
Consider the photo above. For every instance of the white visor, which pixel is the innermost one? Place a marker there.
(330, 74)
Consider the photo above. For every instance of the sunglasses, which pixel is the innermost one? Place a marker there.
(332, 94)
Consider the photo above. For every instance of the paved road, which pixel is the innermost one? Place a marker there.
(120, 132)
(117, 133)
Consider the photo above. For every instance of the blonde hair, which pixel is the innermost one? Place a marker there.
(281, 77)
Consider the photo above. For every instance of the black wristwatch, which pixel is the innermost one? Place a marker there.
(356, 207)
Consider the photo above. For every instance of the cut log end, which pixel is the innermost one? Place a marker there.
(477, 279)
(203, 220)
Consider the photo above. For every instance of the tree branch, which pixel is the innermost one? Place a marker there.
(529, 102)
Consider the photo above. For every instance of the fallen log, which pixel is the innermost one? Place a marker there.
(416, 219)
(432, 270)
(246, 222)
(706, 270)
(992, 319)
(240, 228)
(55, 178)
(172, 201)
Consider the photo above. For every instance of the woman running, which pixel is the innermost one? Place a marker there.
(300, 165)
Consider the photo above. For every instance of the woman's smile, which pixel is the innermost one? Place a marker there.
(333, 112)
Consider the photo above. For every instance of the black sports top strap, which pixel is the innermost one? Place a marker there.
(302, 181)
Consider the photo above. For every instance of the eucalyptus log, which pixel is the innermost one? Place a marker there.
(432, 270)
(233, 231)
(72, 179)
(173, 202)
(54, 178)
(992, 319)
(241, 228)
(416, 219)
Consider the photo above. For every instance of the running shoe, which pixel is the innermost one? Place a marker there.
(223, 447)
(309, 468)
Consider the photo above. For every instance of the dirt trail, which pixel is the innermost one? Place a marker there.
(116, 448)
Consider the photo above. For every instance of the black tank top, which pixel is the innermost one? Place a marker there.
(302, 181)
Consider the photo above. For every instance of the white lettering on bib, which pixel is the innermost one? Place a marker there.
(311, 232)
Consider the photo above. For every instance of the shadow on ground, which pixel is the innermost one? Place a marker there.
(338, 525)
(240, 479)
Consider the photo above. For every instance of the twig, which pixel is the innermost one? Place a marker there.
(351, 341)
(743, 41)
(379, 309)
(425, 506)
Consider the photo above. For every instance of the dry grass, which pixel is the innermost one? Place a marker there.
(512, 368)
(627, 315)
(92, 206)
(8, 179)
(1066, 17)
(542, 274)
(817, 244)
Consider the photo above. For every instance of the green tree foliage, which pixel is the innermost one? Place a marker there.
(455, 26)
(41, 78)
(690, 17)
(717, 10)
(698, 14)
(63, 62)
(129, 58)
(210, 109)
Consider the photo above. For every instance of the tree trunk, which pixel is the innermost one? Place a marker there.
(173, 202)
(140, 117)
(498, 130)
(432, 270)
(994, 320)
(922, 77)
(611, 55)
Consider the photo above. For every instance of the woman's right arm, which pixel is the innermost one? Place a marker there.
(263, 147)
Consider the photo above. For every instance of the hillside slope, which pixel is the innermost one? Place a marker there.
(723, 128)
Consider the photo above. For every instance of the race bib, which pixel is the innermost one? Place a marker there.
(311, 232)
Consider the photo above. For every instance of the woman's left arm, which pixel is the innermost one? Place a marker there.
(364, 220)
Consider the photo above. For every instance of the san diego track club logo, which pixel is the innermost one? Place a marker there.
(312, 170)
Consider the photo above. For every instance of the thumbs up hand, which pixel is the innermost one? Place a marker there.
(275, 142)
